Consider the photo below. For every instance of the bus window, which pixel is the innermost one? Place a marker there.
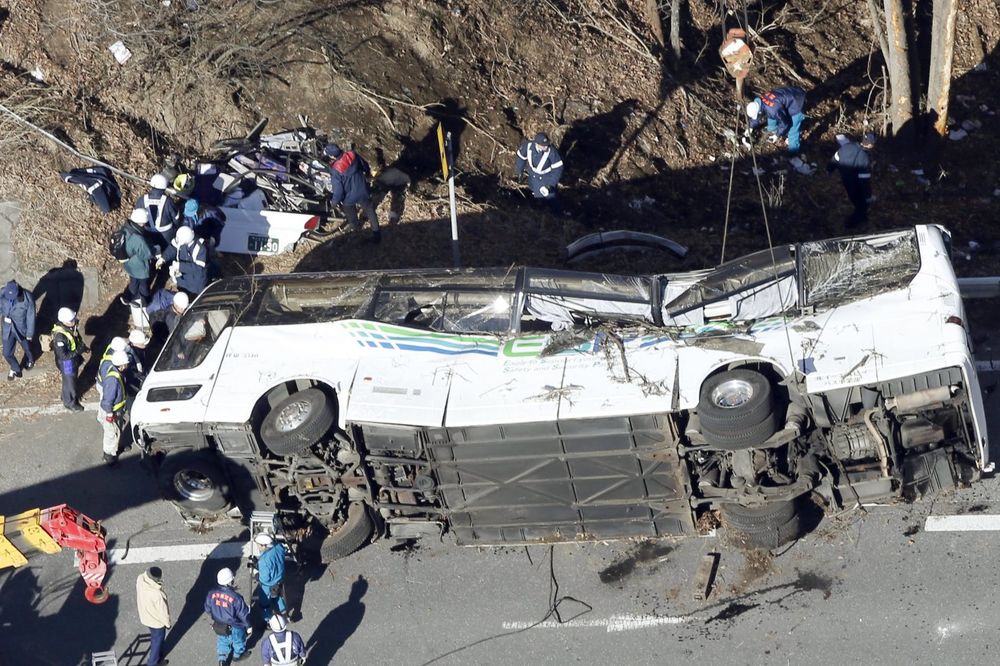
(307, 300)
(193, 339)
(447, 311)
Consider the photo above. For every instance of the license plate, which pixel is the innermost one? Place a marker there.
(262, 244)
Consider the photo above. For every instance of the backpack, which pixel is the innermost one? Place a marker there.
(116, 245)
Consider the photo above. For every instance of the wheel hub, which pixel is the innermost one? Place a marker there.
(732, 393)
(193, 485)
(293, 415)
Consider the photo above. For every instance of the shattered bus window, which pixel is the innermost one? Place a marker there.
(306, 300)
(841, 270)
(193, 339)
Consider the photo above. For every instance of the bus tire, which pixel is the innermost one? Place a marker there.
(747, 438)
(767, 527)
(194, 481)
(349, 537)
(297, 422)
(735, 400)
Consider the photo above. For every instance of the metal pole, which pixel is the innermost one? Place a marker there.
(456, 254)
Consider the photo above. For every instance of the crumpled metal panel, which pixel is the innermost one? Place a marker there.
(841, 270)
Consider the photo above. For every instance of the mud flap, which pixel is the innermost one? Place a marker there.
(927, 474)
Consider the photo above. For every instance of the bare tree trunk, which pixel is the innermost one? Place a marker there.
(653, 16)
(942, 51)
(899, 65)
(877, 24)
(675, 27)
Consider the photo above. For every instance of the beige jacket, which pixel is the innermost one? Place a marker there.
(152, 602)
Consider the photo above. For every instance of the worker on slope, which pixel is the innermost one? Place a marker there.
(544, 166)
(140, 257)
(283, 646)
(349, 175)
(854, 163)
(784, 109)
(166, 309)
(68, 348)
(270, 574)
(111, 412)
(17, 326)
(191, 257)
(154, 613)
(230, 618)
(160, 210)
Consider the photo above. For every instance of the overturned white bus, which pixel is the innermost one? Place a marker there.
(528, 405)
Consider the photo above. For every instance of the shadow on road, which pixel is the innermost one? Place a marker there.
(333, 632)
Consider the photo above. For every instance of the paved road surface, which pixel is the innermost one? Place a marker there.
(864, 588)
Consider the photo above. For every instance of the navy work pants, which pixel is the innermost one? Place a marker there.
(10, 350)
(156, 637)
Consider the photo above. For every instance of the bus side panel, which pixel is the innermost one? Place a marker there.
(566, 480)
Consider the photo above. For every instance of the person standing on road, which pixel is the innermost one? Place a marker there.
(230, 618)
(111, 412)
(191, 257)
(138, 340)
(544, 166)
(68, 348)
(784, 109)
(349, 180)
(283, 646)
(140, 258)
(854, 163)
(154, 613)
(17, 326)
(270, 574)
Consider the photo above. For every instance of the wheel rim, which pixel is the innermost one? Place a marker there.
(193, 485)
(293, 415)
(732, 393)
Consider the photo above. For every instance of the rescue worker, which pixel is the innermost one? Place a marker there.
(111, 412)
(349, 181)
(138, 340)
(784, 109)
(230, 618)
(154, 613)
(191, 257)
(68, 348)
(206, 221)
(17, 326)
(161, 211)
(270, 574)
(283, 646)
(140, 257)
(544, 166)
(117, 343)
(167, 307)
(854, 163)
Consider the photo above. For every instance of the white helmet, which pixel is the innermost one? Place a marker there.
(138, 338)
(225, 576)
(158, 182)
(119, 358)
(263, 539)
(184, 235)
(66, 316)
(277, 622)
(753, 109)
(118, 344)
(139, 216)
(181, 301)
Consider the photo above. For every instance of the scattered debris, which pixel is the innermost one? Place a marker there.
(646, 552)
(971, 125)
(120, 52)
(957, 134)
(705, 576)
(801, 166)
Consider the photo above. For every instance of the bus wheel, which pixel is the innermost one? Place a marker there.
(769, 526)
(737, 410)
(194, 481)
(354, 533)
(297, 422)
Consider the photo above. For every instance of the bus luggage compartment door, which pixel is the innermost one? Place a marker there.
(569, 480)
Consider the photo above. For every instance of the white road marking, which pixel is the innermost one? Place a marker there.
(981, 522)
(48, 410)
(613, 624)
(198, 551)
